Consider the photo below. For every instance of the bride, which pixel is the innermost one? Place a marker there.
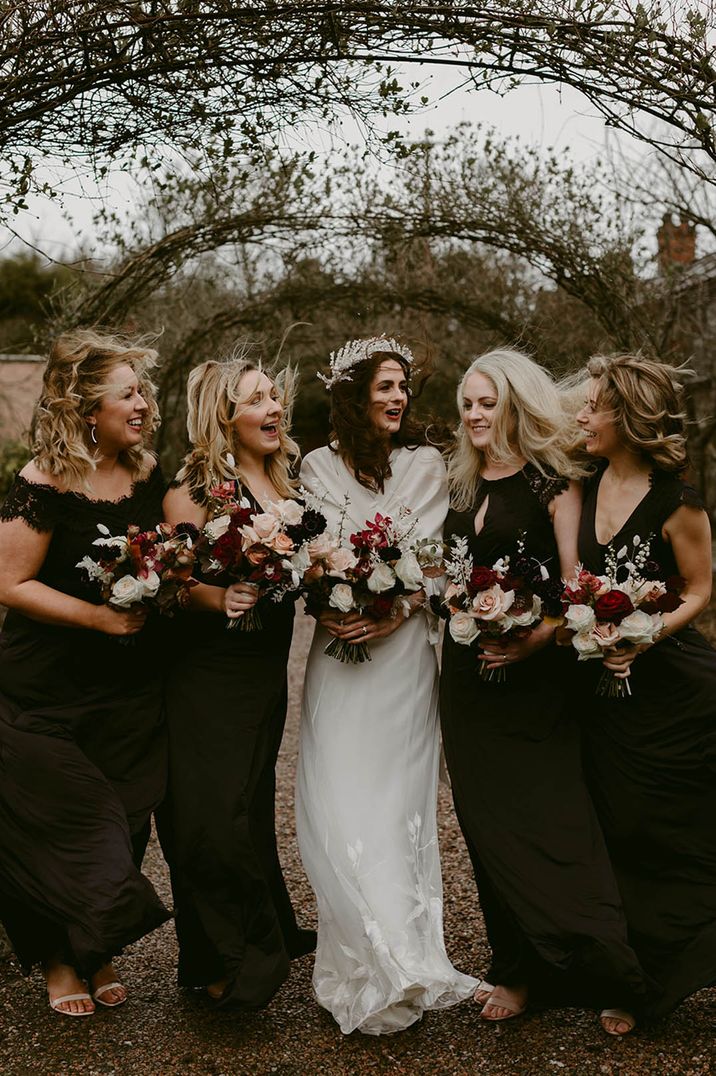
(368, 763)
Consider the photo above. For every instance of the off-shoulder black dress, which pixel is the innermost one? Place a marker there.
(651, 764)
(226, 697)
(548, 895)
(82, 750)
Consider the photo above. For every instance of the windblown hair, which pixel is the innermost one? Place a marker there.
(77, 378)
(646, 398)
(214, 403)
(363, 450)
(529, 420)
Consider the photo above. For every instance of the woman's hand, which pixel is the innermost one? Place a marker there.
(618, 659)
(497, 654)
(239, 598)
(354, 628)
(119, 621)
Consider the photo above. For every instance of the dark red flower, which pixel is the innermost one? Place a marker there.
(381, 606)
(613, 606)
(482, 579)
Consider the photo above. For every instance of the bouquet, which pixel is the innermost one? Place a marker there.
(153, 567)
(261, 548)
(502, 602)
(371, 575)
(600, 612)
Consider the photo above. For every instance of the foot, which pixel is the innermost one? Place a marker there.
(505, 1002)
(216, 990)
(105, 988)
(617, 1021)
(483, 991)
(62, 983)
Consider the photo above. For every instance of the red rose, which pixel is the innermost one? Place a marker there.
(666, 603)
(482, 579)
(613, 606)
(381, 607)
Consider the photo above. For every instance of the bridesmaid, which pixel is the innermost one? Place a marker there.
(548, 895)
(651, 757)
(226, 701)
(82, 751)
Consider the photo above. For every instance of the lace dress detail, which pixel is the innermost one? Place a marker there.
(39, 505)
(545, 485)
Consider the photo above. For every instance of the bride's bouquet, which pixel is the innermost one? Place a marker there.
(150, 567)
(498, 603)
(600, 612)
(372, 575)
(265, 549)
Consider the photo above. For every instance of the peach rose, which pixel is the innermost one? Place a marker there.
(493, 603)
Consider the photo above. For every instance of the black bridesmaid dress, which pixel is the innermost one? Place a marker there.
(548, 895)
(226, 698)
(651, 764)
(82, 750)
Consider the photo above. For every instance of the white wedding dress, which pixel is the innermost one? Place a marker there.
(367, 785)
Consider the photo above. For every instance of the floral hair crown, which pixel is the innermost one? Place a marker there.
(357, 351)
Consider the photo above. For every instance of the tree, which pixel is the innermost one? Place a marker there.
(126, 81)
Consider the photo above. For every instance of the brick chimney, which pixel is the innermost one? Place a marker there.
(677, 244)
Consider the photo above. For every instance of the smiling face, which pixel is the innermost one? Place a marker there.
(598, 425)
(479, 402)
(258, 416)
(119, 419)
(388, 397)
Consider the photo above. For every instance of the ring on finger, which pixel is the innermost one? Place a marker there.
(365, 630)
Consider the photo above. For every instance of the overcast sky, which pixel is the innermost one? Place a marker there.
(538, 114)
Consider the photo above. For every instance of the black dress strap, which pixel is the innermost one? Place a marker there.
(37, 504)
(544, 484)
(670, 492)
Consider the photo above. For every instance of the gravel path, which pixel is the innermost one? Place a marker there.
(163, 1031)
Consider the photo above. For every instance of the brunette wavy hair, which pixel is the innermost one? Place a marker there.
(646, 398)
(76, 380)
(366, 454)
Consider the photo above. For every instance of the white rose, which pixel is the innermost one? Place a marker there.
(409, 572)
(586, 646)
(529, 616)
(463, 628)
(216, 527)
(580, 618)
(150, 582)
(639, 627)
(381, 578)
(341, 598)
(127, 591)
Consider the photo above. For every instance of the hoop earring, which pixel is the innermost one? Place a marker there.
(93, 434)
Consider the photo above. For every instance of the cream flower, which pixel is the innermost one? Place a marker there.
(462, 628)
(493, 603)
(580, 618)
(127, 591)
(381, 578)
(341, 598)
(639, 627)
(409, 572)
(218, 526)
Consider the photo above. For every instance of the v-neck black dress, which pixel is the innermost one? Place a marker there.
(548, 895)
(651, 764)
(226, 698)
(82, 749)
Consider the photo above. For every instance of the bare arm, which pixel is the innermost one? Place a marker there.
(232, 600)
(22, 554)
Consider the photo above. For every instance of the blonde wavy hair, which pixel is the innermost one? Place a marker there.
(530, 420)
(214, 403)
(77, 379)
(646, 398)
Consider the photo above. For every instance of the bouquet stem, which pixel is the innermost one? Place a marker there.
(351, 653)
(250, 621)
(497, 676)
(612, 688)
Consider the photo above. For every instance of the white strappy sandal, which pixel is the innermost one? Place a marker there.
(56, 1002)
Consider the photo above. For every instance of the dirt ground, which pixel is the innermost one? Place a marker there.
(163, 1031)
